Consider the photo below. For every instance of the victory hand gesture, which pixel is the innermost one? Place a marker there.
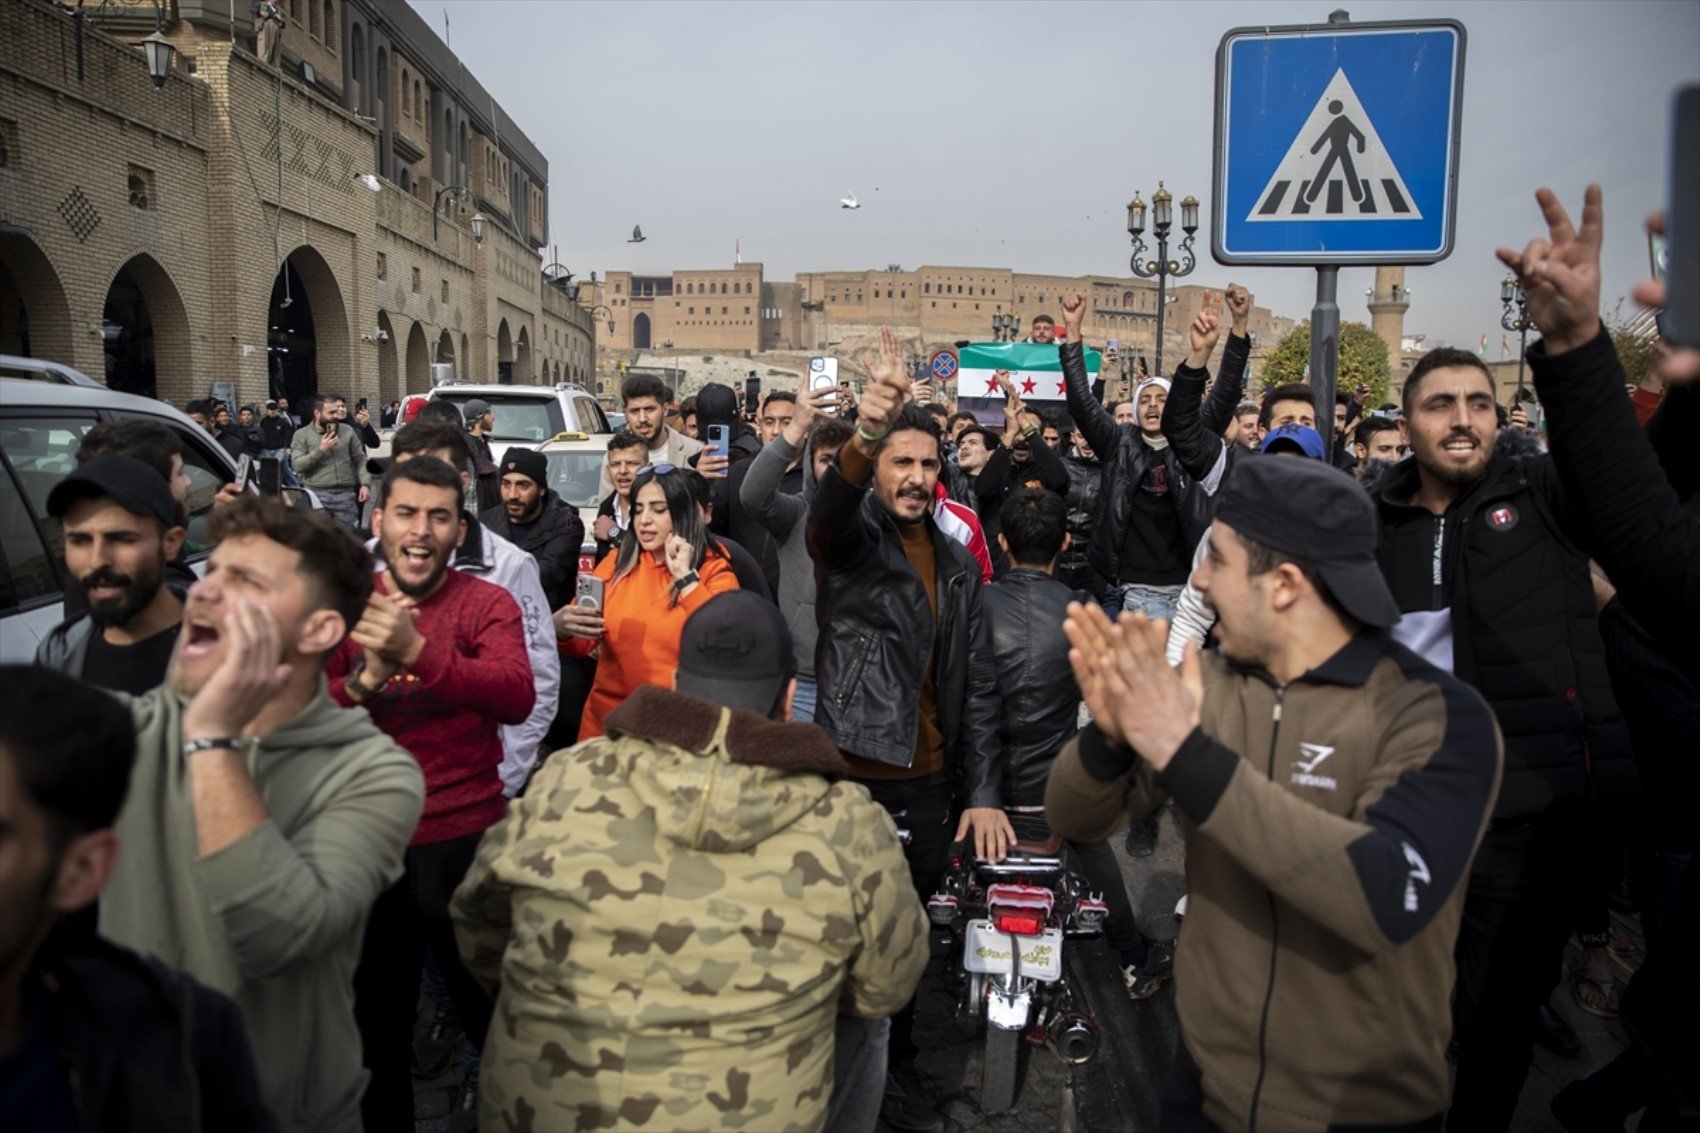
(1561, 275)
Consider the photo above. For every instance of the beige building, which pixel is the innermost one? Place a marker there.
(269, 221)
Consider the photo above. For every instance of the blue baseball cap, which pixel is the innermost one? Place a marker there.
(1302, 437)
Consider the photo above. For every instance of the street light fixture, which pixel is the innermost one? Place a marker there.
(458, 193)
(159, 52)
(1004, 328)
(1161, 268)
(1515, 316)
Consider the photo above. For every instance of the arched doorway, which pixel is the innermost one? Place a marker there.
(35, 319)
(640, 333)
(446, 351)
(522, 355)
(143, 327)
(504, 354)
(389, 386)
(418, 361)
(307, 331)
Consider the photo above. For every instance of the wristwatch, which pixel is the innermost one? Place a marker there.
(686, 579)
(357, 688)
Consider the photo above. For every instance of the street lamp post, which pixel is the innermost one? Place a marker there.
(1162, 267)
(1004, 328)
(457, 193)
(1515, 316)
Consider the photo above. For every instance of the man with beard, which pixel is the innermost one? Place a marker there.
(439, 660)
(1481, 547)
(263, 818)
(228, 436)
(643, 400)
(1044, 330)
(330, 458)
(93, 1036)
(121, 527)
(534, 518)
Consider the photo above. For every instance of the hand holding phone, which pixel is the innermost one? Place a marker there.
(589, 595)
(244, 465)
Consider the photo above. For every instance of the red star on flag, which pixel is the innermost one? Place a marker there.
(1062, 388)
(1026, 385)
(992, 385)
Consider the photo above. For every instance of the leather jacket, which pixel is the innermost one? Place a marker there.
(1085, 484)
(1040, 701)
(876, 632)
(1125, 459)
(555, 539)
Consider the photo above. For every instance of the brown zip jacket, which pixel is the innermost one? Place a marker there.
(1330, 825)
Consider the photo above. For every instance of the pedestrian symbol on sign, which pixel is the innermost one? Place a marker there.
(1337, 168)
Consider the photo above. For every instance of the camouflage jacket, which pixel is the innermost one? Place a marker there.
(672, 917)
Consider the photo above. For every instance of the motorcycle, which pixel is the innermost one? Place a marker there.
(1008, 922)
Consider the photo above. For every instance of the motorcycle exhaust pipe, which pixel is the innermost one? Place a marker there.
(1074, 1037)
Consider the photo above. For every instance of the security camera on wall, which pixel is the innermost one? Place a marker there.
(369, 181)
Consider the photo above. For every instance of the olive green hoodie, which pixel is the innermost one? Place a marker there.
(275, 919)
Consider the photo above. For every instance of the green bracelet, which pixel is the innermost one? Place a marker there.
(870, 437)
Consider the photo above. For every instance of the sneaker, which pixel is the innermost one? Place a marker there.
(1143, 980)
(1142, 836)
(907, 1105)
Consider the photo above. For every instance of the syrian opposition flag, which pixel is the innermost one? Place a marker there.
(1036, 371)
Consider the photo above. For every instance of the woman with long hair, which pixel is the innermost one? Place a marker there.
(664, 570)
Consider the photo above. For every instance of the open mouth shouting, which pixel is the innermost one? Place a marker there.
(200, 638)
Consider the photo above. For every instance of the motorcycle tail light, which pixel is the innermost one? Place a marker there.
(1018, 922)
(941, 908)
(1090, 913)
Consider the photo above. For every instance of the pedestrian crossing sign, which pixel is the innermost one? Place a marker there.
(1337, 144)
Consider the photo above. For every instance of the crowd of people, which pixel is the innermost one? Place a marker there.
(649, 844)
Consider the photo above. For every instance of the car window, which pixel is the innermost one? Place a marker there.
(530, 419)
(207, 474)
(40, 451)
(590, 418)
(576, 476)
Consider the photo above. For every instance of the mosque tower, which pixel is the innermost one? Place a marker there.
(1387, 306)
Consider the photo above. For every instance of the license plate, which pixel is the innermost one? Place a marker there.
(993, 952)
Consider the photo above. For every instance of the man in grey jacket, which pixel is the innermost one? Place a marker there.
(263, 819)
(330, 458)
(812, 438)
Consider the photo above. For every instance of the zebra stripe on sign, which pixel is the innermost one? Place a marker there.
(1337, 168)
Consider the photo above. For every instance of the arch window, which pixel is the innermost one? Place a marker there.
(330, 24)
(406, 93)
(315, 22)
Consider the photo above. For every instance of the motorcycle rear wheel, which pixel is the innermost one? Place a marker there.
(1001, 1082)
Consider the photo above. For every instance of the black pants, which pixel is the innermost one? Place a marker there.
(1518, 911)
(922, 807)
(1104, 875)
(412, 913)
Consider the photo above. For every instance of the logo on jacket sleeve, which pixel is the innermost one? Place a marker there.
(1311, 756)
(1502, 517)
(1419, 872)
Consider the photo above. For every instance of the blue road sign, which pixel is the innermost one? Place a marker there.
(943, 364)
(1338, 144)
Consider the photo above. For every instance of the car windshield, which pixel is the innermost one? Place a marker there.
(533, 419)
(577, 476)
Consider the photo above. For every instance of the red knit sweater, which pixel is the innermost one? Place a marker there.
(472, 676)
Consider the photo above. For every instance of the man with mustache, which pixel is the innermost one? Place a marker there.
(538, 521)
(1481, 550)
(439, 660)
(121, 528)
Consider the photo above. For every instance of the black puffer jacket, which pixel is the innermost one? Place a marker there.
(1085, 481)
(555, 541)
(146, 1047)
(876, 632)
(1522, 616)
(1040, 699)
(1125, 458)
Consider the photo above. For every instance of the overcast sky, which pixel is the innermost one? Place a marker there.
(1012, 135)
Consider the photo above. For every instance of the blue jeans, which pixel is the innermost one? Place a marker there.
(803, 703)
(1155, 601)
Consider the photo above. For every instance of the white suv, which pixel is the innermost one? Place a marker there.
(527, 416)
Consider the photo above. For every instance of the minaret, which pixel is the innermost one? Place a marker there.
(1387, 306)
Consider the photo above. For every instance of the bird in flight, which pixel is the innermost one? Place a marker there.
(637, 235)
(849, 202)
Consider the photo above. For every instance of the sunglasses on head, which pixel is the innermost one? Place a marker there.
(658, 469)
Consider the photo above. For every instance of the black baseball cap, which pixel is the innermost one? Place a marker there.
(736, 652)
(1313, 511)
(125, 480)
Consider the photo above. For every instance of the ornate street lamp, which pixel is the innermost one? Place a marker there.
(457, 193)
(1515, 316)
(1161, 268)
(1004, 328)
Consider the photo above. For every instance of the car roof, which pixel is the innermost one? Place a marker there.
(575, 442)
(486, 391)
(18, 392)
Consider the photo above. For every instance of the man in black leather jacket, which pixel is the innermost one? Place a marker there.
(1085, 483)
(1041, 705)
(906, 683)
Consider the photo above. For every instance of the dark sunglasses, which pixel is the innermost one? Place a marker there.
(658, 469)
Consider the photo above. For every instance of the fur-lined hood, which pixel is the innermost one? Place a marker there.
(721, 779)
(1396, 481)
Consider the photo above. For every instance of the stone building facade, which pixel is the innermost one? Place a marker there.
(277, 226)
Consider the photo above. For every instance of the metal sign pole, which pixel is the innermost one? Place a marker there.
(1325, 352)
